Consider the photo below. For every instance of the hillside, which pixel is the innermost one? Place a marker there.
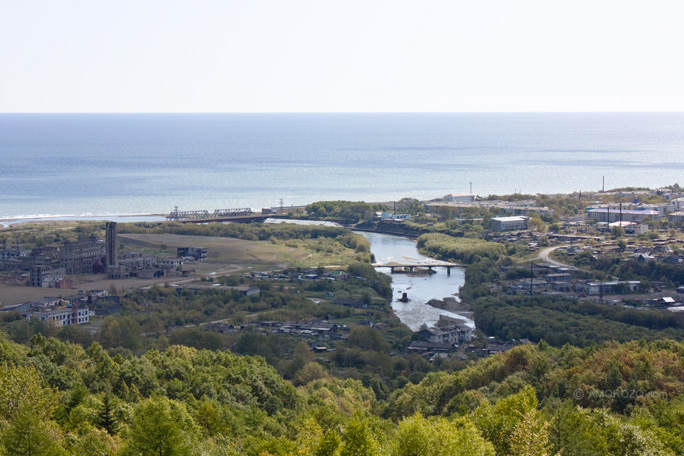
(611, 399)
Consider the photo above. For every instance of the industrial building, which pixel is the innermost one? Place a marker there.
(80, 257)
(110, 243)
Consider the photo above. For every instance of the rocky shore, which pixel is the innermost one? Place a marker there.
(452, 304)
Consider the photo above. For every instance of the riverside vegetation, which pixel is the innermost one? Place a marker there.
(601, 380)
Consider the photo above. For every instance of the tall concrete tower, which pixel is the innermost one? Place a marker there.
(111, 245)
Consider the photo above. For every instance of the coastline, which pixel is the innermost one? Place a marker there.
(52, 220)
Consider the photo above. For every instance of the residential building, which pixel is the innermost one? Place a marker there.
(459, 197)
(455, 334)
(610, 215)
(509, 223)
(676, 217)
(597, 288)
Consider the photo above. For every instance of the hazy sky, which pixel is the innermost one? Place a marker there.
(340, 56)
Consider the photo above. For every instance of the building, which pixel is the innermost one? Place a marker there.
(425, 347)
(79, 257)
(524, 210)
(54, 310)
(21, 308)
(608, 215)
(320, 328)
(676, 217)
(116, 272)
(197, 253)
(677, 204)
(459, 197)
(509, 223)
(455, 334)
(61, 316)
(40, 275)
(13, 253)
(617, 287)
(110, 242)
(171, 263)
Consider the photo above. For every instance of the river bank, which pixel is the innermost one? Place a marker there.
(452, 304)
(420, 289)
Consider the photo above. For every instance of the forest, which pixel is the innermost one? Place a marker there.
(57, 398)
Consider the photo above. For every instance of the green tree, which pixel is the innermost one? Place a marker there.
(537, 224)
(358, 440)
(106, 417)
(329, 444)
(419, 436)
(160, 427)
(22, 388)
(30, 435)
(498, 423)
(617, 232)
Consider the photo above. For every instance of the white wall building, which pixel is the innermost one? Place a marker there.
(459, 197)
(509, 223)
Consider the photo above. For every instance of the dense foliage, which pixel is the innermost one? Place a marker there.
(348, 211)
(247, 231)
(558, 320)
(561, 321)
(58, 399)
(466, 250)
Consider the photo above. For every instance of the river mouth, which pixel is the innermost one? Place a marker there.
(419, 288)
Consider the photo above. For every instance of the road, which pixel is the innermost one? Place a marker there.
(545, 255)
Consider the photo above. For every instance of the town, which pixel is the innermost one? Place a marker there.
(556, 250)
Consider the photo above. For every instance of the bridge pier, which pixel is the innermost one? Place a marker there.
(448, 270)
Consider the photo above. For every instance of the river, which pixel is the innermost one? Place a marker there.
(419, 288)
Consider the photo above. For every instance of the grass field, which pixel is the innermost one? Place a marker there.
(221, 250)
(225, 256)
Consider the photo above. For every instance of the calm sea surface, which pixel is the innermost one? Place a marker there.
(108, 164)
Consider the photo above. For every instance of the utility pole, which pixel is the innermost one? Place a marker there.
(531, 276)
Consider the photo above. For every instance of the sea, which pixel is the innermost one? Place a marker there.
(110, 165)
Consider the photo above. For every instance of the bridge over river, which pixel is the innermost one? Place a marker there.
(410, 265)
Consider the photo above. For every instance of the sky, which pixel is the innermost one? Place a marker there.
(341, 56)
